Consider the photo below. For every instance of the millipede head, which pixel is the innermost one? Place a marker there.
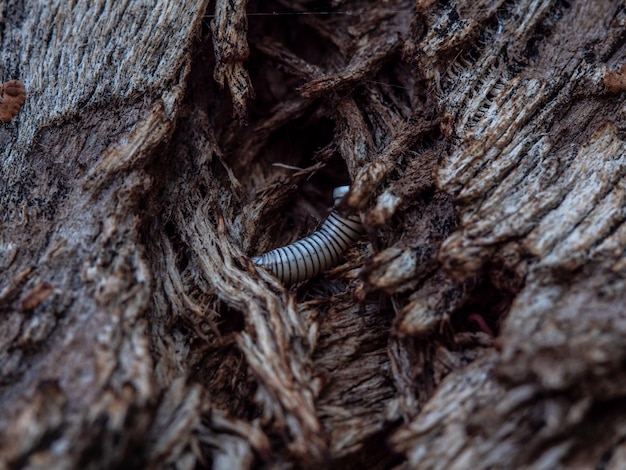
(339, 192)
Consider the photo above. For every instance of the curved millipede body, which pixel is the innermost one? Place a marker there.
(319, 251)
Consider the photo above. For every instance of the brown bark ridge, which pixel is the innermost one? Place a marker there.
(478, 324)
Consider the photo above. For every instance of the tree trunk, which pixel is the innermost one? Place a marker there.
(480, 321)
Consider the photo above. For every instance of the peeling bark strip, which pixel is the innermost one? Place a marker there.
(319, 251)
(485, 145)
(230, 27)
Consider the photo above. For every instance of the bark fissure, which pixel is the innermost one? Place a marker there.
(478, 323)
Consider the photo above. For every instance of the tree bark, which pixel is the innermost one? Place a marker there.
(478, 324)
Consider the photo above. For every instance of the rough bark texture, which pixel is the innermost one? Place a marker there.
(480, 323)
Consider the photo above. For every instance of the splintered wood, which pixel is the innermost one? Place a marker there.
(230, 27)
(538, 175)
(12, 97)
(479, 321)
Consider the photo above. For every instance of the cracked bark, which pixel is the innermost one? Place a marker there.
(480, 321)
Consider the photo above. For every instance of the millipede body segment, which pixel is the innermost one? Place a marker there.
(319, 251)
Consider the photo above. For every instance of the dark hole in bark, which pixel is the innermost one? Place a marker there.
(485, 309)
(230, 320)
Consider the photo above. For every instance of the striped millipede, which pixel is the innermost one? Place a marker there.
(319, 251)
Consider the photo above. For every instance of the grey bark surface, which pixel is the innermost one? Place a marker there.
(478, 324)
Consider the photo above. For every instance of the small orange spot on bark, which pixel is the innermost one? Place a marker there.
(36, 296)
(615, 82)
(12, 97)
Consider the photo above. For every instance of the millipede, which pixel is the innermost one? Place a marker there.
(317, 252)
